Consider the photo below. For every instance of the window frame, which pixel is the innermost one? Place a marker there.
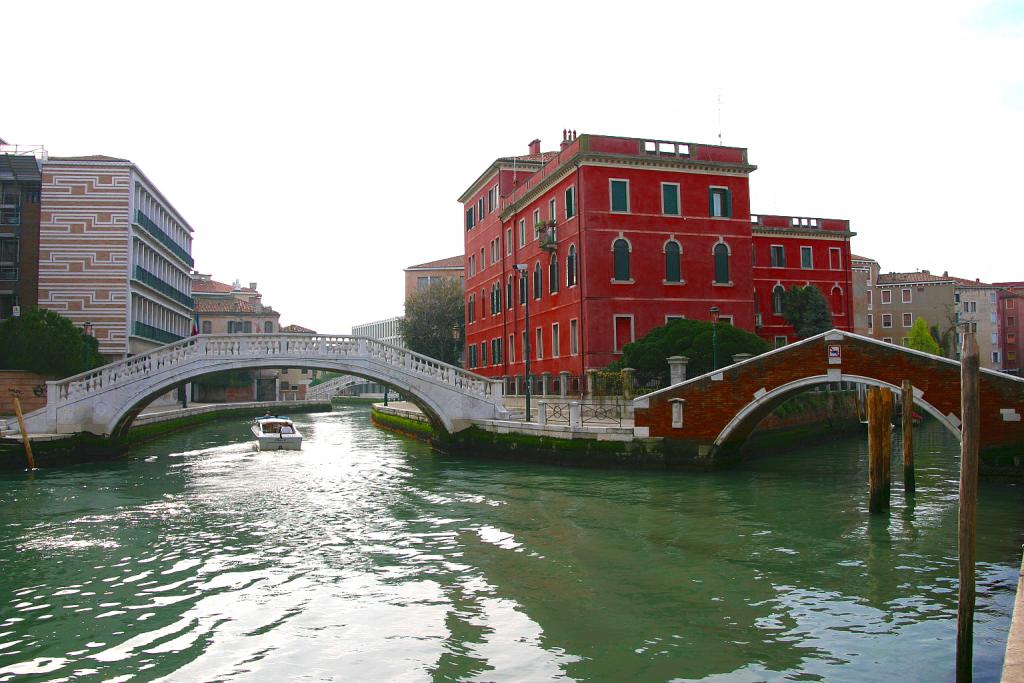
(726, 194)
(611, 195)
(809, 261)
(887, 318)
(616, 262)
(676, 261)
(570, 202)
(616, 347)
(678, 199)
(885, 296)
(779, 249)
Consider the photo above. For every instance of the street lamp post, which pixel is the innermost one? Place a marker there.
(714, 337)
(455, 342)
(521, 267)
(86, 332)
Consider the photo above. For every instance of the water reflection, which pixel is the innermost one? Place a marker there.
(369, 557)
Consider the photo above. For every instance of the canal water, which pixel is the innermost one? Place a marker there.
(369, 557)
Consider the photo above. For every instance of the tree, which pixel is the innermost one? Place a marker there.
(431, 315)
(691, 338)
(47, 343)
(806, 309)
(921, 338)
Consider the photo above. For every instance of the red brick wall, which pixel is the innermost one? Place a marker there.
(31, 388)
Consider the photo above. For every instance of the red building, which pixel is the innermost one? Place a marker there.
(1010, 306)
(620, 235)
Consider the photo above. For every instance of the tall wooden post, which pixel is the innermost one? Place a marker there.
(879, 417)
(886, 443)
(908, 437)
(969, 438)
(24, 434)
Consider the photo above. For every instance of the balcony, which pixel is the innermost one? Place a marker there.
(155, 333)
(152, 281)
(162, 237)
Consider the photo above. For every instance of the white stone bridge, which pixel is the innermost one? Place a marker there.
(107, 399)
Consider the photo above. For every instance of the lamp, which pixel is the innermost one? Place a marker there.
(715, 312)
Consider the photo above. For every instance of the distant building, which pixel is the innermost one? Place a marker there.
(113, 251)
(864, 273)
(20, 179)
(1010, 300)
(388, 330)
(231, 309)
(418, 278)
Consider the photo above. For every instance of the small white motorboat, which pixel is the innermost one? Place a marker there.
(275, 433)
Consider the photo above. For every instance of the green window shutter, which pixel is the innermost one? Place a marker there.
(620, 196)
(670, 200)
(727, 201)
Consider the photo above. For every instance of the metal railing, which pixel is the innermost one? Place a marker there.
(162, 237)
(593, 414)
(155, 333)
(150, 280)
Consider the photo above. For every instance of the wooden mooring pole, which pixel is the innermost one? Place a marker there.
(24, 434)
(969, 440)
(908, 437)
(879, 404)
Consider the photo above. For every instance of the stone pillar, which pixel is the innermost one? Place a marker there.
(542, 412)
(575, 416)
(563, 383)
(591, 381)
(677, 369)
(545, 383)
(628, 382)
(740, 357)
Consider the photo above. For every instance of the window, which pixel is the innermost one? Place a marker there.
(970, 307)
(247, 327)
(886, 296)
(540, 344)
(869, 299)
(619, 192)
(778, 254)
(555, 341)
(570, 267)
(483, 353)
(574, 347)
(268, 327)
(538, 280)
(721, 254)
(905, 341)
(508, 292)
(780, 341)
(672, 258)
(483, 307)
(886, 321)
(908, 320)
(470, 218)
(887, 340)
(480, 208)
(483, 260)
(1011, 321)
(871, 321)
(552, 214)
(835, 258)
(806, 257)
(777, 293)
(570, 203)
(207, 327)
(490, 200)
(670, 199)
(719, 202)
(536, 223)
(511, 348)
(620, 258)
(522, 232)
(906, 296)
(472, 265)
(471, 308)
(837, 301)
(522, 289)
(553, 275)
(496, 352)
(508, 242)
(1009, 303)
(995, 357)
(623, 330)
(472, 356)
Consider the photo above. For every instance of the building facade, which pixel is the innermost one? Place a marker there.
(388, 330)
(20, 179)
(610, 237)
(1010, 306)
(865, 273)
(419, 277)
(114, 252)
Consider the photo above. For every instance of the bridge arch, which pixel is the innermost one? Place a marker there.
(106, 400)
(746, 420)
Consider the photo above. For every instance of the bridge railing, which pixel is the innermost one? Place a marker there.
(287, 347)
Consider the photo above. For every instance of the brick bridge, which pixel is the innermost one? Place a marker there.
(710, 416)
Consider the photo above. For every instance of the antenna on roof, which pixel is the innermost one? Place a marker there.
(719, 117)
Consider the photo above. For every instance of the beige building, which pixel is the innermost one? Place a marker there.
(418, 278)
(892, 302)
(865, 272)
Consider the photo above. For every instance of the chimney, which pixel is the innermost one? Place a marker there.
(535, 146)
(926, 272)
(945, 273)
(566, 139)
(252, 286)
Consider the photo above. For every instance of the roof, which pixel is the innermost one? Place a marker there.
(854, 257)
(297, 329)
(924, 276)
(90, 157)
(214, 287)
(450, 262)
(19, 167)
(542, 158)
(232, 305)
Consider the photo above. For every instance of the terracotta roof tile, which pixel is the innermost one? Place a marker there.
(297, 329)
(231, 306)
(910, 278)
(214, 287)
(450, 262)
(543, 157)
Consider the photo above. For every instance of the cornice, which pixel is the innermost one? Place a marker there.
(797, 232)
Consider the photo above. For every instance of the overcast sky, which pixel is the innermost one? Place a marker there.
(319, 149)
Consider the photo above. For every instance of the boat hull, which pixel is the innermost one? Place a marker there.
(277, 442)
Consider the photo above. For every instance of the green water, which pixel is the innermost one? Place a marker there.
(366, 557)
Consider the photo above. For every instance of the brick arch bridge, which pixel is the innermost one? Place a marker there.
(709, 417)
(106, 400)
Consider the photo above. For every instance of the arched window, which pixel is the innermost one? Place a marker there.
(672, 253)
(471, 308)
(553, 274)
(268, 327)
(522, 289)
(777, 293)
(721, 253)
(570, 266)
(508, 293)
(495, 298)
(837, 300)
(620, 250)
(538, 280)
(483, 306)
